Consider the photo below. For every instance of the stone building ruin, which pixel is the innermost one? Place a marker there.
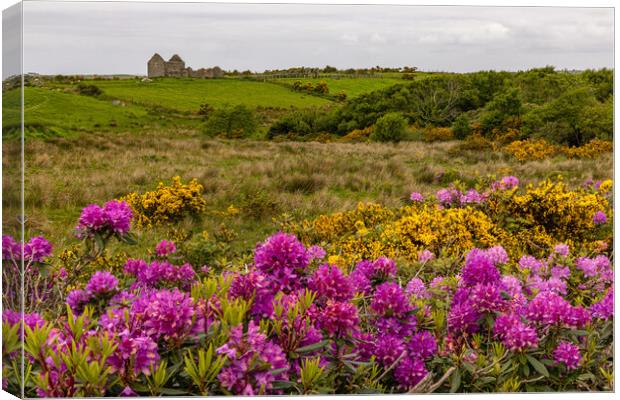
(175, 67)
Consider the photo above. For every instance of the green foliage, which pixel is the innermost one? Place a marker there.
(461, 127)
(390, 128)
(231, 122)
(573, 119)
(89, 90)
(204, 372)
(505, 105)
(300, 123)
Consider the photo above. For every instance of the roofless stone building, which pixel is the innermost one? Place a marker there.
(175, 67)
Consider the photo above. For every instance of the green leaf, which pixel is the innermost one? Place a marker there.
(173, 392)
(455, 381)
(282, 384)
(538, 366)
(312, 347)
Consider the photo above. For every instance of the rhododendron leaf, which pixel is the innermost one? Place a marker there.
(173, 392)
(278, 371)
(312, 347)
(538, 366)
(455, 381)
(128, 238)
(279, 385)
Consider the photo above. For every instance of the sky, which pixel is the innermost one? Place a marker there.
(116, 38)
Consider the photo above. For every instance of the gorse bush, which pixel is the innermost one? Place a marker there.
(389, 128)
(463, 303)
(167, 203)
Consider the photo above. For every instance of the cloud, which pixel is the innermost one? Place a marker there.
(115, 37)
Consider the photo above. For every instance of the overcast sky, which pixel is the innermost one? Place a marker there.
(107, 38)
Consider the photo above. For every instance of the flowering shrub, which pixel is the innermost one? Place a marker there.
(538, 149)
(167, 203)
(431, 297)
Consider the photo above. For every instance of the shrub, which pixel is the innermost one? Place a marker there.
(340, 96)
(231, 122)
(167, 204)
(358, 135)
(389, 128)
(437, 134)
(531, 149)
(461, 127)
(205, 110)
(89, 90)
(591, 149)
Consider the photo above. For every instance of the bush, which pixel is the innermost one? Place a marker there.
(231, 122)
(89, 90)
(389, 128)
(461, 127)
(437, 134)
(167, 204)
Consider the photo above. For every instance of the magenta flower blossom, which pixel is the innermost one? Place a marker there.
(37, 249)
(388, 348)
(168, 314)
(486, 298)
(114, 217)
(330, 283)
(128, 392)
(102, 282)
(118, 216)
(422, 345)
(417, 289)
(133, 355)
(390, 301)
(604, 309)
(31, 320)
(425, 256)
(479, 269)
(409, 372)
(339, 318)
(568, 354)
(533, 264)
(599, 218)
(506, 183)
(447, 197)
(463, 317)
(11, 250)
(416, 197)
(561, 249)
(472, 196)
(92, 218)
(549, 308)
(256, 287)
(383, 268)
(165, 248)
(316, 252)
(76, 299)
(514, 334)
(251, 361)
(497, 255)
(283, 259)
(160, 273)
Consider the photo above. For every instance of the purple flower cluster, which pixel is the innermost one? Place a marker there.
(329, 282)
(599, 218)
(568, 354)
(417, 289)
(368, 274)
(165, 248)
(101, 283)
(604, 309)
(256, 287)
(160, 274)
(549, 308)
(113, 218)
(515, 334)
(452, 197)
(251, 362)
(284, 259)
(416, 197)
(36, 250)
(506, 183)
(338, 318)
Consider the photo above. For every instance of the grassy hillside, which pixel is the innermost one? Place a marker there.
(188, 94)
(52, 112)
(351, 86)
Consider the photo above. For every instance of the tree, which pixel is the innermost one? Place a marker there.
(231, 122)
(390, 128)
(461, 127)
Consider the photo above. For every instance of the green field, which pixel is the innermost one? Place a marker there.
(55, 111)
(353, 87)
(185, 94)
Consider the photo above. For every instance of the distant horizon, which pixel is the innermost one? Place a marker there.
(99, 38)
